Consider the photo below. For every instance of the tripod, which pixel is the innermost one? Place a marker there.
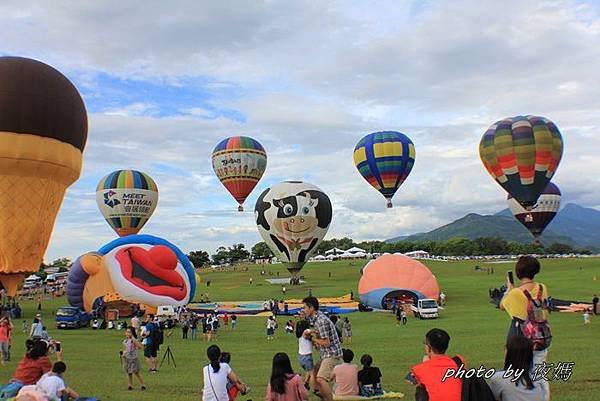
(169, 357)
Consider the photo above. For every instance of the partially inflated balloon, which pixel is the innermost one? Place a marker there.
(239, 162)
(522, 153)
(385, 159)
(541, 214)
(43, 131)
(137, 269)
(127, 199)
(293, 217)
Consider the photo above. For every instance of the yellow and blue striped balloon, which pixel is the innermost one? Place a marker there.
(127, 199)
(385, 159)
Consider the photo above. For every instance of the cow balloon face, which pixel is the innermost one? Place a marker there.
(293, 217)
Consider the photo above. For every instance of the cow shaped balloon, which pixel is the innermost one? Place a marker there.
(293, 217)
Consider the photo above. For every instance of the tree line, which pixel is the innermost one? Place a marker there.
(452, 247)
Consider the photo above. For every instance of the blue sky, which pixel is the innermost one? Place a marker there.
(164, 84)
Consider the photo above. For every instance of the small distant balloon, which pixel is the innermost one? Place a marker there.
(522, 154)
(385, 159)
(127, 199)
(239, 162)
(542, 212)
(293, 217)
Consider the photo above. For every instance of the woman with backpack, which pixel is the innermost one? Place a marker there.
(519, 358)
(216, 376)
(526, 304)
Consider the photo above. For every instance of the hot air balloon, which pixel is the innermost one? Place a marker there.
(522, 153)
(396, 276)
(127, 199)
(239, 162)
(541, 214)
(293, 217)
(43, 131)
(385, 159)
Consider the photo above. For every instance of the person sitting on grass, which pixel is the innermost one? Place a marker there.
(345, 375)
(289, 327)
(53, 385)
(369, 378)
(31, 368)
(216, 375)
(428, 374)
(285, 385)
(519, 357)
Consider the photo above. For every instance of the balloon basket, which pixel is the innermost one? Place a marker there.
(240, 208)
(389, 204)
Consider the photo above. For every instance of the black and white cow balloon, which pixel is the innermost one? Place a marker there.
(293, 217)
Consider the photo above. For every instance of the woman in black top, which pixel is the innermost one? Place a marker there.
(369, 378)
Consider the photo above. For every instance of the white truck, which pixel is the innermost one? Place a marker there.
(166, 312)
(425, 309)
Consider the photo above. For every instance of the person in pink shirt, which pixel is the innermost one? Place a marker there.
(5, 331)
(345, 375)
(285, 385)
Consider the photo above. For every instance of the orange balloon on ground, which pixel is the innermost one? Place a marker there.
(395, 276)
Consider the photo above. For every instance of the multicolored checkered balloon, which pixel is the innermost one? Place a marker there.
(522, 153)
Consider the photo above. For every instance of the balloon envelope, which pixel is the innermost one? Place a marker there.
(385, 159)
(541, 214)
(293, 217)
(239, 162)
(138, 269)
(392, 276)
(127, 199)
(522, 153)
(43, 131)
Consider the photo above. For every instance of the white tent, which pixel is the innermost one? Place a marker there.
(418, 254)
(360, 255)
(334, 251)
(355, 249)
(33, 277)
(319, 257)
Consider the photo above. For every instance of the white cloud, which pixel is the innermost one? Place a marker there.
(310, 79)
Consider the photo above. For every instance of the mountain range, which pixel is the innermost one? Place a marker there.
(574, 225)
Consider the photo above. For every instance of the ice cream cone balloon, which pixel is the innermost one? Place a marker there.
(43, 131)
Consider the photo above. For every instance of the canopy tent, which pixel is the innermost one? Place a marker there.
(334, 251)
(418, 254)
(355, 249)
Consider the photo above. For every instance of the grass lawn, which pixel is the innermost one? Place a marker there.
(477, 330)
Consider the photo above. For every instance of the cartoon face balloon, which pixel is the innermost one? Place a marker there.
(293, 217)
(127, 199)
(139, 269)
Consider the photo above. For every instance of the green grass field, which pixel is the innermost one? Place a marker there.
(477, 329)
